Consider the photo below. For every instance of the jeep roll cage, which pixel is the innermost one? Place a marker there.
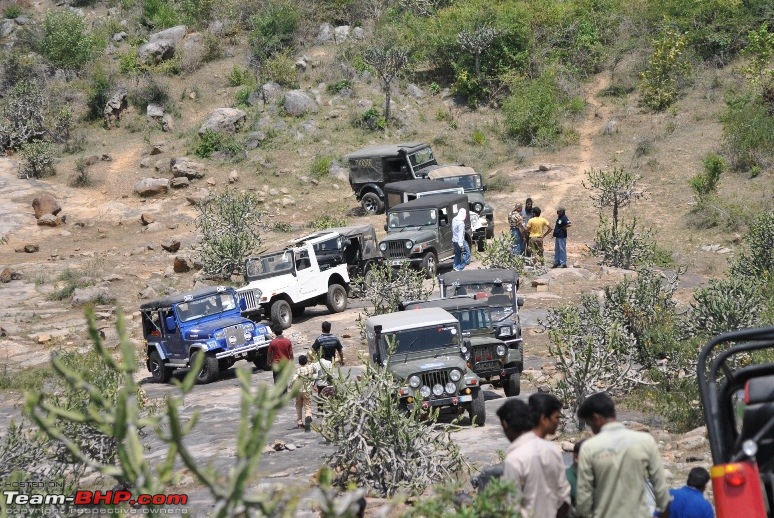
(735, 373)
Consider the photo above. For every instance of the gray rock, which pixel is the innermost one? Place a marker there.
(146, 162)
(414, 91)
(119, 36)
(341, 33)
(183, 264)
(325, 34)
(49, 220)
(173, 34)
(301, 65)
(254, 99)
(193, 42)
(22, 20)
(233, 177)
(115, 107)
(338, 172)
(216, 27)
(224, 120)
(179, 183)
(188, 168)
(154, 111)
(271, 92)
(149, 293)
(45, 204)
(151, 186)
(156, 52)
(358, 33)
(167, 123)
(199, 197)
(90, 294)
(298, 102)
(172, 246)
(162, 166)
(6, 28)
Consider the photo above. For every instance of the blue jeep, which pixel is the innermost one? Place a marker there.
(206, 321)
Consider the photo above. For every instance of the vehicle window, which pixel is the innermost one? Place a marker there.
(302, 260)
(421, 157)
(369, 244)
(412, 218)
(393, 199)
(205, 306)
(325, 246)
(467, 182)
(269, 264)
(500, 296)
(151, 323)
(417, 340)
(474, 319)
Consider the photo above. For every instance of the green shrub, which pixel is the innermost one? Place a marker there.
(273, 28)
(756, 261)
(65, 42)
(477, 137)
(725, 305)
(320, 165)
(281, 69)
(326, 221)
(532, 111)
(499, 498)
(38, 159)
(160, 14)
(499, 254)
(241, 97)
(660, 83)
(371, 119)
(339, 86)
(706, 183)
(12, 11)
(196, 13)
(211, 142)
(68, 281)
(472, 88)
(748, 131)
(240, 77)
(81, 178)
(498, 183)
(98, 94)
(150, 91)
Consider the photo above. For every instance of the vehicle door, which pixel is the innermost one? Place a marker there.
(445, 231)
(395, 170)
(172, 337)
(307, 275)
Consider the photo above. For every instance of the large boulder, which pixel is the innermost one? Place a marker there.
(115, 107)
(45, 204)
(325, 34)
(199, 197)
(341, 33)
(173, 34)
(151, 186)
(298, 102)
(271, 92)
(185, 167)
(156, 52)
(224, 120)
(89, 295)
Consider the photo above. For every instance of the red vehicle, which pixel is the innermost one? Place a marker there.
(736, 382)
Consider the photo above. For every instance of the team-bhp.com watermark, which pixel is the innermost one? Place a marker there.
(22, 497)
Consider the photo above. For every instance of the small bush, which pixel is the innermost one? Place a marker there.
(498, 183)
(282, 226)
(499, 254)
(65, 42)
(274, 28)
(748, 130)
(324, 222)
(211, 142)
(320, 165)
(160, 14)
(281, 69)
(23, 116)
(12, 11)
(371, 119)
(757, 260)
(240, 77)
(196, 13)
(478, 138)
(38, 159)
(499, 498)
(339, 86)
(532, 111)
(150, 91)
(81, 178)
(706, 183)
(69, 280)
(666, 67)
(242, 96)
(725, 305)
(471, 87)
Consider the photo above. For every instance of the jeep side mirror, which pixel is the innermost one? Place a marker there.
(467, 343)
(520, 301)
(242, 304)
(171, 324)
(483, 188)
(385, 227)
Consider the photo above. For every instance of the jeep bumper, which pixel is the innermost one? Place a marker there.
(242, 350)
(503, 372)
(414, 262)
(442, 402)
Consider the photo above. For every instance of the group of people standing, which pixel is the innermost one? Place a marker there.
(618, 472)
(529, 228)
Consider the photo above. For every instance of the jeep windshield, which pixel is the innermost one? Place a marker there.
(421, 158)
(473, 320)
(469, 182)
(499, 296)
(427, 339)
(206, 306)
(269, 265)
(413, 218)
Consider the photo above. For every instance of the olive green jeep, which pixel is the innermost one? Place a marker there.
(426, 356)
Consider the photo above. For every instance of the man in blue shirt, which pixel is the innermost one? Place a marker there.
(689, 501)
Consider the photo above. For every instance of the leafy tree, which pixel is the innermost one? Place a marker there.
(477, 42)
(726, 305)
(23, 116)
(532, 110)
(273, 28)
(65, 42)
(229, 225)
(756, 262)
(38, 159)
(388, 60)
(706, 183)
(666, 67)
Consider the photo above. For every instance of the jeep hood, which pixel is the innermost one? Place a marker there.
(448, 359)
(270, 285)
(417, 236)
(206, 329)
(476, 197)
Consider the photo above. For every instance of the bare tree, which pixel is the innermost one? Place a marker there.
(388, 60)
(476, 42)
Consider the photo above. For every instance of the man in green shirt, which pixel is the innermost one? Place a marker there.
(572, 472)
(614, 464)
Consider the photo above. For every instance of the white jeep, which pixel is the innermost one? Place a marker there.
(282, 284)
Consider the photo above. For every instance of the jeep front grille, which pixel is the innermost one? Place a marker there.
(485, 357)
(235, 336)
(248, 296)
(435, 377)
(397, 249)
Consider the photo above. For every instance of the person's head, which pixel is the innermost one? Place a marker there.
(547, 412)
(462, 213)
(515, 418)
(560, 211)
(536, 211)
(576, 452)
(326, 327)
(519, 206)
(277, 330)
(303, 360)
(698, 478)
(528, 203)
(597, 410)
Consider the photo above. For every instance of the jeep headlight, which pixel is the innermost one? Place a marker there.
(455, 374)
(438, 389)
(383, 247)
(478, 206)
(220, 334)
(248, 335)
(409, 244)
(465, 352)
(506, 331)
(211, 344)
(414, 381)
(425, 391)
(451, 388)
(500, 350)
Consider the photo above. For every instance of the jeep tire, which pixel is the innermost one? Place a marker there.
(430, 265)
(512, 385)
(281, 314)
(372, 204)
(210, 369)
(477, 408)
(260, 359)
(481, 245)
(490, 230)
(336, 300)
(160, 373)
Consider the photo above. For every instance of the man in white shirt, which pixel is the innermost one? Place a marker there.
(461, 248)
(533, 464)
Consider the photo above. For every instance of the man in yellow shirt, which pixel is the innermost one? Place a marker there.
(538, 228)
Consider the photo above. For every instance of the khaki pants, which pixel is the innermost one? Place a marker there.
(536, 248)
(303, 402)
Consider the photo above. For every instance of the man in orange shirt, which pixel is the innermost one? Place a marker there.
(280, 350)
(538, 228)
